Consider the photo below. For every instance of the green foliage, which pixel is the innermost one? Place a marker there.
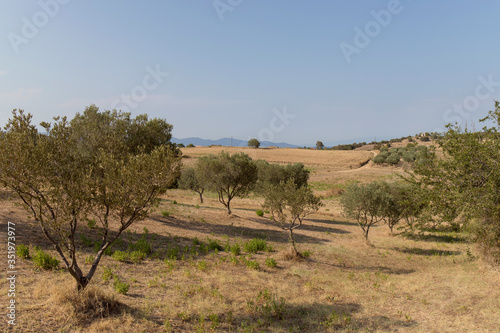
(319, 145)
(253, 264)
(45, 260)
(141, 245)
(202, 265)
(364, 203)
(229, 176)
(120, 287)
(236, 249)
(23, 251)
(107, 274)
(101, 164)
(336, 321)
(165, 213)
(98, 245)
(412, 154)
(91, 223)
(137, 256)
(214, 245)
(86, 241)
(268, 305)
(464, 186)
(274, 174)
(288, 205)
(271, 263)
(255, 245)
(259, 212)
(306, 253)
(120, 256)
(253, 143)
(191, 180)
(190, 145)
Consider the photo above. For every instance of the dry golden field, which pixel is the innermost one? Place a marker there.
(436, 283)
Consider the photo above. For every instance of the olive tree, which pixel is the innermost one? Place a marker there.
(274, 174)
(253, 143)
(88, 168)
(464, 184)
(229, 176)
(289, 205)
(190, 180)
(364, 203)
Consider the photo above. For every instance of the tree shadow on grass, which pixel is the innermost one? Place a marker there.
(426, 252)
(362, 268)
(438, 238)
(277, 315)
(344, 223)
(317, 228)
(275, 234)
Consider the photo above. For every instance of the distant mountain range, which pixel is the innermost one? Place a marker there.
(229, 142)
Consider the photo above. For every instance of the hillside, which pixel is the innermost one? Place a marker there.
(434, 282)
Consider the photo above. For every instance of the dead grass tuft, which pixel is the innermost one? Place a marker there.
(85, 306)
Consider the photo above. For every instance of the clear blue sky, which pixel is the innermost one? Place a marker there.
(229, 67)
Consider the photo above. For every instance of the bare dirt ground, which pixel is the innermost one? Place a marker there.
(433, 283)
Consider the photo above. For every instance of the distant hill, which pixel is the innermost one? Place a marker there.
(227, 142)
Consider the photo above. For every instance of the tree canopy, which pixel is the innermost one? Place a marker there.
(464, 184)
(92, 167)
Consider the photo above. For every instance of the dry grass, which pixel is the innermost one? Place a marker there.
(431, 284)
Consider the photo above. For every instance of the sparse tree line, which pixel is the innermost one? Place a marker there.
(284, 188)
(110, 168)
(458, 188)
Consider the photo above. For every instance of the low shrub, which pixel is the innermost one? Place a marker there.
(255, 245)
(45, 260)
(23, 251)
(120, 287)
(271, 263)
(259, 212)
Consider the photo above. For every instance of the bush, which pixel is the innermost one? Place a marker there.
(165, 213)
(121, 287)
(253, 264)
(23, 251)
(107, 274)
(270, 262)
(255, 245)
(268, 304)
(120, 256)
(393, 158)
(45, 260)
(236, 249)
(214, 245)
(425, 139)
(259, 212)
(306, 254)
(137, 256)
(142, 245)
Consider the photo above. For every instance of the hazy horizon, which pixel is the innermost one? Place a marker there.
(291, 71)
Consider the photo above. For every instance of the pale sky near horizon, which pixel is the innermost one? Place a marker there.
(285, 71)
